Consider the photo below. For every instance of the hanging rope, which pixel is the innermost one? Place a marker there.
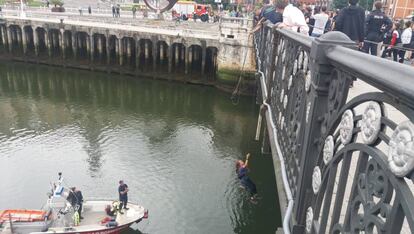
(235, 96)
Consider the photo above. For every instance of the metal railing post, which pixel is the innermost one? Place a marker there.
(317, 116)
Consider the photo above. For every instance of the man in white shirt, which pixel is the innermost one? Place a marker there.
(294, 20)
(405, 40)
(320, 23)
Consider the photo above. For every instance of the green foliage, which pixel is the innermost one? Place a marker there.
(56, 2)
(339, 4)
(33, 3)
(366, 4)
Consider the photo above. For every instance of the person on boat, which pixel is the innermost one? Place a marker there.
(242, 170)
(75, 198)
(123, 194)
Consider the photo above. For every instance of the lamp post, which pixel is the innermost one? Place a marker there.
(22, 12)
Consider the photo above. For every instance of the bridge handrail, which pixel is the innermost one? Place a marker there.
(242, 21)
(331, 145)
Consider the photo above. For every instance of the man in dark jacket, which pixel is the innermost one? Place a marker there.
(75, 198)
(377, 23)
(351, 21)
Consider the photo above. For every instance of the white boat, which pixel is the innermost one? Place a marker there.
(58, 216)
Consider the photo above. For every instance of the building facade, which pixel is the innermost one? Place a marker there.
(399, 9)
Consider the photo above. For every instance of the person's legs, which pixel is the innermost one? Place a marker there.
(125, 203)
(395, 54)
(80, 210)
(366, 47)
(121, 204)
(374, 49)
(384, 52)
(401, 54)
(250, 186)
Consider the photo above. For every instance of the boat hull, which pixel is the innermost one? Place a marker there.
(114, 230)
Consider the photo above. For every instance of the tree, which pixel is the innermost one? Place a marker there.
(57, 2)
(366, 4)
(339, 4)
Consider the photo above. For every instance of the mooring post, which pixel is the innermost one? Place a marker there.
(187, 59)
(24, 43)
(129, 49)
(4, 37)
(154, 54)
(100, 47)
(162, 51)
(190, 56)
(203, 58)
(35, 41)
(19, 38)
(137, 54)
(92, 47)
(48, 45)
(108, 50)
(88, 46)
(116, 43)
(170, 54)
(146, 50)
(121, 50)
(177, 56)
(62, 43)
(74, 45)
(10, 39)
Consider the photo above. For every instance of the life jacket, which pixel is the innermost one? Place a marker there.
(116, 205)
(76, 218)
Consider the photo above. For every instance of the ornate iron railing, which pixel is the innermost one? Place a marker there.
(346, 154)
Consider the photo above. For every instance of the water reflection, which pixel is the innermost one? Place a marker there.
(174, 144)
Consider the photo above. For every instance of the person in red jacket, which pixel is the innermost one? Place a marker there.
(395, 41)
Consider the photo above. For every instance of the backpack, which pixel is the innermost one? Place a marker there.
(387, 37)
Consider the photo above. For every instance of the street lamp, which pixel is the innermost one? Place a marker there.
(22, 12)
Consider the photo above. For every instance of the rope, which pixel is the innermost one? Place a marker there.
(235, 96)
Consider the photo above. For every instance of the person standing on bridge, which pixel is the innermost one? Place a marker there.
(118, 11)
(113, 11)
(80, 11)
(134, 12)
(293, 19)
(89, 9)
(377, 23)
(242, 170)
(351, 21)
(321, 21)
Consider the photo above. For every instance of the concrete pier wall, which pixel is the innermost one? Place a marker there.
(208, 58)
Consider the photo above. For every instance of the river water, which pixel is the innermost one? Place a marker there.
(173, 144)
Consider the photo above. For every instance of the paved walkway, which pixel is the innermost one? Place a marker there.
(165, 27)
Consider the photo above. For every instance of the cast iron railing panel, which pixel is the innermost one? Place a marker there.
(349, 157)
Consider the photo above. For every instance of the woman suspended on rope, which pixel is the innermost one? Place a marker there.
(242, 170)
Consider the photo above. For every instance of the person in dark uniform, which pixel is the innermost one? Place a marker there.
(242, 170)
(351, 21)
(123, 194)
(377, 24)
(75, 198)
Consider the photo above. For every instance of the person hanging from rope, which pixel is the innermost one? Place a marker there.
(242, 170)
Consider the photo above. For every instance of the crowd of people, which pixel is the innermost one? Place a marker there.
(370, 32)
